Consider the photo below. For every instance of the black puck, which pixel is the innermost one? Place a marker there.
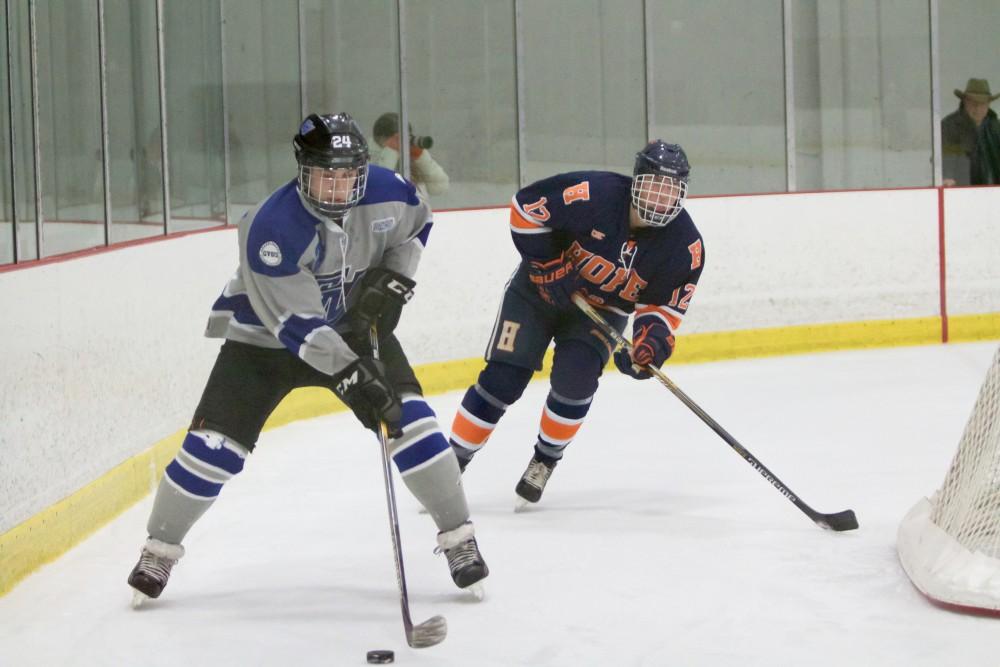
(380, 657)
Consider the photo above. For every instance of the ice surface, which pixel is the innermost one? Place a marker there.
(655, 544)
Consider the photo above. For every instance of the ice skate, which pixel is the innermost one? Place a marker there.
(467, 566)
(529, 489)
(149, 576)
(462, 455)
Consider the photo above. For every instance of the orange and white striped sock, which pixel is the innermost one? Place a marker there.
(474, 422)
(561, 419)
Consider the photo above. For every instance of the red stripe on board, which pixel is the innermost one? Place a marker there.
(942, 268)
(739, 194)
(122, 221)
(98, 250)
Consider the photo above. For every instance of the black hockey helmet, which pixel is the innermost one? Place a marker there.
(660, 182)
(324, 144)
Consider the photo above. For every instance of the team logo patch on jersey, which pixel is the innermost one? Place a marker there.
(333, 291)
(383, 225)
(270, 253)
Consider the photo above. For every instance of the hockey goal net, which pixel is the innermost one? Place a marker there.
(949, 544)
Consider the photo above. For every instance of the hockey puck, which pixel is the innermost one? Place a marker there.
(380, 657)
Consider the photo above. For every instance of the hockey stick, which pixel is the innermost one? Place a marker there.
(433, 630)
(839, 521)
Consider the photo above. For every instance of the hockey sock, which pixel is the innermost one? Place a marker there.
(576, 368)
(484, 404)
(192, 482)
(561, 418)
(427, 466)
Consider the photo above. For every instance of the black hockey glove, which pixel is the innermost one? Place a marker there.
(383, 295)
(652, 345)
(555, 279)
(366, 391)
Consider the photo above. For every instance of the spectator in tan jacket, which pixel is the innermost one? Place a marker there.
(425, 172)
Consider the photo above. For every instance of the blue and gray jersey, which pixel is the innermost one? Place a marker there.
(297, 268)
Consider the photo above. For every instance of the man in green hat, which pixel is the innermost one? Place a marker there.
(970, 138)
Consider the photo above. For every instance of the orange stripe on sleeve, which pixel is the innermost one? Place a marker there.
(518, 221)
(672, 320)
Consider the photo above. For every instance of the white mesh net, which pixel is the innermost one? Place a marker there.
(949, 544)
(968, 504)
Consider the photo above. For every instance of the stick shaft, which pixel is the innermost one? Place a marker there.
(838, 521)
(390, 500)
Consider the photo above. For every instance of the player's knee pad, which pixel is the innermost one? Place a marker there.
(205, 462)
(504, 382)
(422, 442)
(575, 370)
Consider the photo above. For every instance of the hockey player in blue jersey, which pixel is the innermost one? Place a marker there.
(321, 259)
(628, 246)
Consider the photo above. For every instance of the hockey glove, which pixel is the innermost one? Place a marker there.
(366, 391)
(652, 345)
(555, 279)
(383, 295)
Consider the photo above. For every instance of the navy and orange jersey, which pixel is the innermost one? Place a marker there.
(652, 271)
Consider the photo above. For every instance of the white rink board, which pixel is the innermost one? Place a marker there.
(103, 355)
(468, 260)
(781, 260)
(972, 241)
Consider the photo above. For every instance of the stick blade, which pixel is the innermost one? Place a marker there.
(430, 632)
(839, 521)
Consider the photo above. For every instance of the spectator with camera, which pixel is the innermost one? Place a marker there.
(429, 177)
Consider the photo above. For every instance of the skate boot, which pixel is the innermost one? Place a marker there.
(150, 574)
(463, 455)
(464, 560)
(529, 489)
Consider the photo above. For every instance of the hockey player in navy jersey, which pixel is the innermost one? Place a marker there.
(628, 246)
(321, 259)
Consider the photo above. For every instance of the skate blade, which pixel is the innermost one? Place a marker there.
(477, 590)
(138, 599)
(520, 504)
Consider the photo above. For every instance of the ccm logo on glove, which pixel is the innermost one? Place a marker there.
(402, 290)
(346, 383)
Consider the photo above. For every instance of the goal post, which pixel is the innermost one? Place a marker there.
(949, 543)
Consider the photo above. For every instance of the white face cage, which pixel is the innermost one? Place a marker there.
(658, 199)
(332, 191)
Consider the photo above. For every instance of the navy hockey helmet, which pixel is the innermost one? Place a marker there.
(660, 182)
(333, 162)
